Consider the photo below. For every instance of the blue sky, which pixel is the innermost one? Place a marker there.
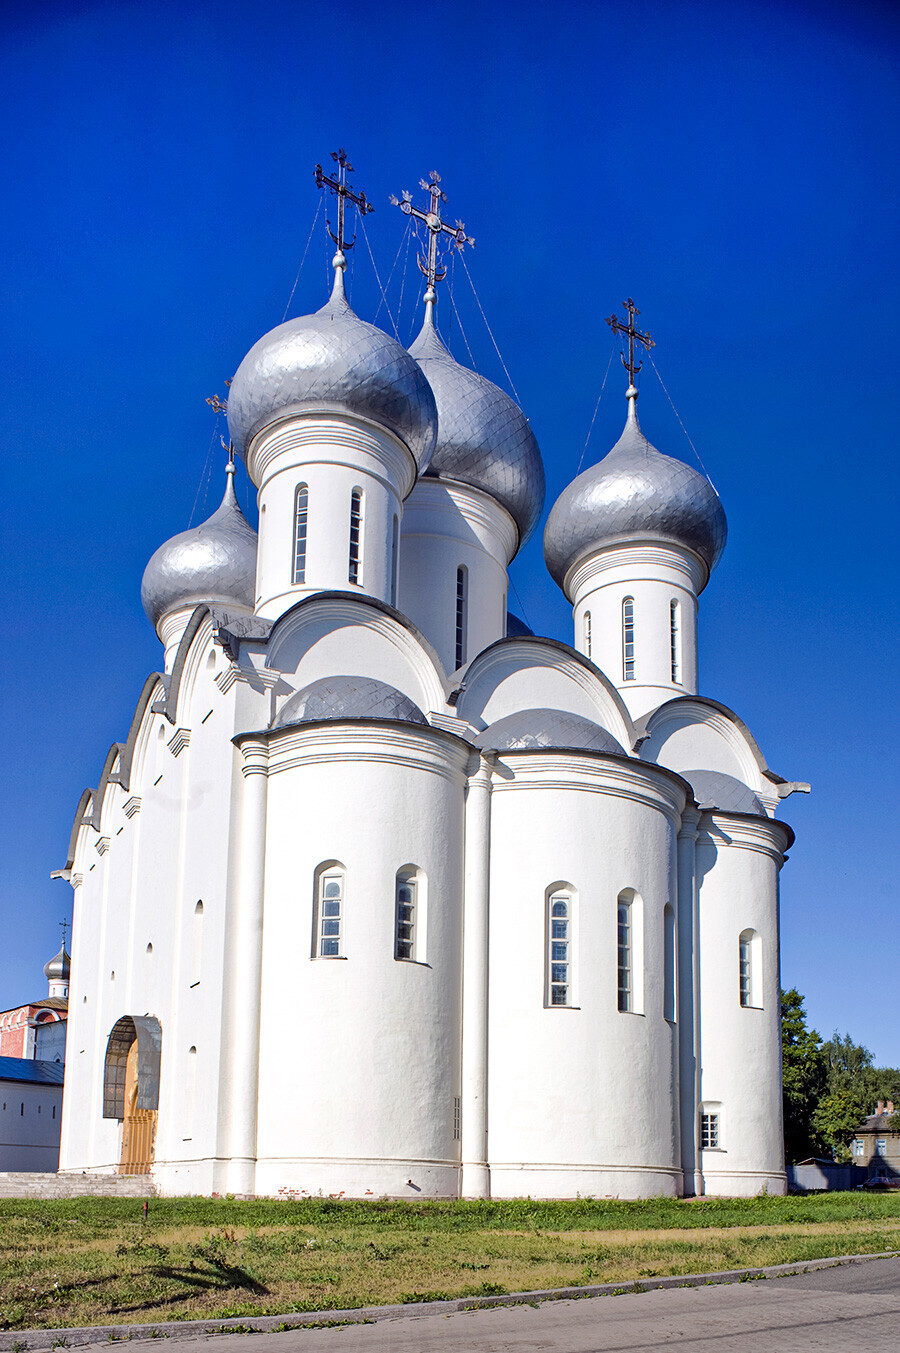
(732, 167)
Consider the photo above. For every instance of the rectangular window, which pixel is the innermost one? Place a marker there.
(405, 942)
(881, 1146)
(460, 616)
(859, 1148)
(625, 971)
(301, 510)
(395, 548)
(587, 634)
(628, 639)
(709, 1131)
(675, 642)
(559, 939)
(354, 572)
(331, 896)
(745, 972)
(457, 1118)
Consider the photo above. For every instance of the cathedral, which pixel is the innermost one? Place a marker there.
(384, 895)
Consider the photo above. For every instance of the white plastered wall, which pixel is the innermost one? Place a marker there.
(582, 1100)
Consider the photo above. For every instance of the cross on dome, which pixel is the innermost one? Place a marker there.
(344, 194)
(428, 264)
(634, 335)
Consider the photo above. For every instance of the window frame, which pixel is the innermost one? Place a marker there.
(628, 639)
(675, 657)
(750, 969)
(587, 634)
(558, 895)
(301, 535)
(630, 992)
(355, 563)
(329, 872)
(410, 877)
(710, 1128)
(461, 623)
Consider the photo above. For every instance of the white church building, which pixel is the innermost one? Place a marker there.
(385, 895)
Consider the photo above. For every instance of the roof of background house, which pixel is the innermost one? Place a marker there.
(27, 1069)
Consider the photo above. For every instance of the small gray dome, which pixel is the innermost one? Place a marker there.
(213, 562)
(333, 361)
(59, 967)
(715, 789)
(634, 491)
(539, 729)
(483, 437)
(348, 697)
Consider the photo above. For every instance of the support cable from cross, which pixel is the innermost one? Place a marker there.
(428, 263)
(634, 335)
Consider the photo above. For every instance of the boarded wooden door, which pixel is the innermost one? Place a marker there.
(139, 1125)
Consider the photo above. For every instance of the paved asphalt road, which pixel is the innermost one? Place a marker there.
(853, 1308)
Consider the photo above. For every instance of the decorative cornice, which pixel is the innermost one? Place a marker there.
(766, 836)
(101, 845)
(131, 806)
(383, 741)
(595, 773)
(642, 560)
(179, 740)
(322, 437)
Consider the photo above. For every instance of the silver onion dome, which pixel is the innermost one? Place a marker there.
(59, 967)
(534, 730)
(634, 491)
(483, 436)
(333, 361)
(215, 561)
(348, 697)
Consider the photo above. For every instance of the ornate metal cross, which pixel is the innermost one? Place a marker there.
(634, 336)
(432, 219)
(343, 194)
(64, 926)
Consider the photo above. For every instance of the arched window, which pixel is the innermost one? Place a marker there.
(329, 911)
(669, 963)
(301, 510)
(461, 610)
(628, 639)
(395, 547)
(587, 634)
(675, 641)
(356, 526)
(750, 968)
(630, 952)
(409, 927)
(559, 932)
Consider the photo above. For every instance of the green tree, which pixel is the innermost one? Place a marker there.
(804, 1076)
(836, 1117)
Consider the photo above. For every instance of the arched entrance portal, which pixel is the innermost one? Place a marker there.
(131, 1088)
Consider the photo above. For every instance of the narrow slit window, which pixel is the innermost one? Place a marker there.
(670, 958)
(587, 634)
(301, 511)
(329, 919)
(405, 937)
(395, 546)
(559, 949)
(628, 639)
(750, 968)
(625, 957)
(356, 525)
(461, 607)
(675, 642)
(744, 967)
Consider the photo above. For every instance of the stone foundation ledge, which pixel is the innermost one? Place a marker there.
(32, 1184)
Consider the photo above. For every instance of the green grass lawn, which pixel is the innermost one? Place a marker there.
(95, 1261)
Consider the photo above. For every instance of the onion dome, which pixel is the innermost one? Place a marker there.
(535, 730)
(58, 969)
(635, 491)
(348, 697)
(484, 438)
(332, 362)
(213, 562)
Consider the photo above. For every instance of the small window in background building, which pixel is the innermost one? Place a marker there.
(881, 1146)
(709, 1131)
(628, 639)
(859, 1148)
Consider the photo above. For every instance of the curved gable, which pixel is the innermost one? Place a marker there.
(692, 732)
(338, 632)
(530, 673)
